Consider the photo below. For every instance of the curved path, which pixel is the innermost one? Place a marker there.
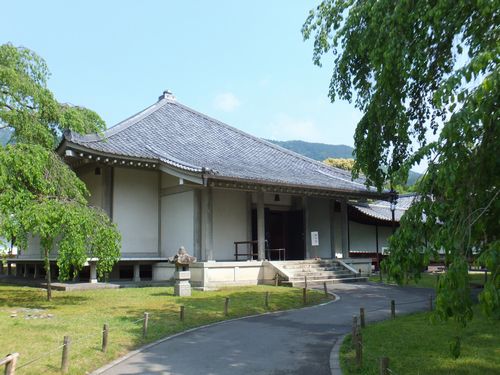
(291, 342)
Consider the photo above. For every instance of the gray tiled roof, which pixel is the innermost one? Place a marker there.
(176, 135)
(382, 209)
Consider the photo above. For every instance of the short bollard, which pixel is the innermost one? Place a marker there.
(304, 296)
(354, 329)
(384, 366)
(65, 355)
(393, 309)
(145, 325)
(105, 332)
(305, 282)
(362, 317)
(359, 348)
(430, 302)
(226, 307)
(325, 289)
(181, 313)
(10, 366)
(267, 300)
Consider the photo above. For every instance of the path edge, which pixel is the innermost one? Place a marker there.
(117, 361)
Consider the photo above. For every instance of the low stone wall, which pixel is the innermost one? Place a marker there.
(213, 274)
(362, 265)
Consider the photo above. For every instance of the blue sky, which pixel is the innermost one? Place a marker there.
(242, 62)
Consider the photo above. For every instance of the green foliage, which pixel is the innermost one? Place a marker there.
(345, 164)
(316, 151)
(39, 195)
(414, 68)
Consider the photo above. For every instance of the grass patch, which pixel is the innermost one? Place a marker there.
(416, 346)
(429, 280)
(81, 315)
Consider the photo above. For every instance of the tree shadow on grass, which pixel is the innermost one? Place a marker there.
(31, 298)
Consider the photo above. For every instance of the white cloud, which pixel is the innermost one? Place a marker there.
(286, 128)
(226, 102)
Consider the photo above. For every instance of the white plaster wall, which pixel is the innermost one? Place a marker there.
(362, 237)
(135, 209)
(230, 220)
(383, 236)
(319, 221)
(95, 186)
(177, 223)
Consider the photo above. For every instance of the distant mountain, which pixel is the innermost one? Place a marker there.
(317, 151)
(322, 151)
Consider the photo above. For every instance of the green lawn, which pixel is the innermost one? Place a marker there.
(429, 280)
(81, 315)
(416, 346)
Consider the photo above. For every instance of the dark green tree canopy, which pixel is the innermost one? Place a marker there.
(40, 196)
(415, 68)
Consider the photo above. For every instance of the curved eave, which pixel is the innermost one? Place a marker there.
(277, 187)
(371, 213)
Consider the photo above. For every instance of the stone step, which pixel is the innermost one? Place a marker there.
(319, 282)
(324, 273)
(320, 277)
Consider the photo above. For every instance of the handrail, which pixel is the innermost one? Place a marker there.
(350, 268)
(10, 363)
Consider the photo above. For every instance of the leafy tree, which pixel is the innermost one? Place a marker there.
(345, 164)
(414, 68)
(39, 194)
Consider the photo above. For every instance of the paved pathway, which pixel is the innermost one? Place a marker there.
(293, 342)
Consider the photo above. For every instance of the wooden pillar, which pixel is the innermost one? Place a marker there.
(344, 225)
(9, 268)
(261, 226)
(35, 272)
(376, 246)
(207, 224)
(137, 273)
(307, 223)
(93, 272)
(332, 228)
(25, 270)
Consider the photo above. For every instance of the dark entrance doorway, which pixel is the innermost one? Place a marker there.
(284, 230)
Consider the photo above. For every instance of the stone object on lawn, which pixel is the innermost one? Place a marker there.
(182, 275)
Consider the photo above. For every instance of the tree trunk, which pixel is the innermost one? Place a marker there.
(48, 275)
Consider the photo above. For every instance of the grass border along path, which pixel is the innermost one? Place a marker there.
(414, 345)
(35, 328)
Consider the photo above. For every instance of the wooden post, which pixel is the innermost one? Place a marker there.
(65, 355)
(384, 366)
(276, 279)
(305, 282)
(354, 329)
(267, 300)
(325, 289)
(362, 317)
(145, 325)
(304, 296)
(10, 363)
(430, 302)
(393, 309)
(181, 314)
(105, 332)
(359, 348)
(226, 307)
